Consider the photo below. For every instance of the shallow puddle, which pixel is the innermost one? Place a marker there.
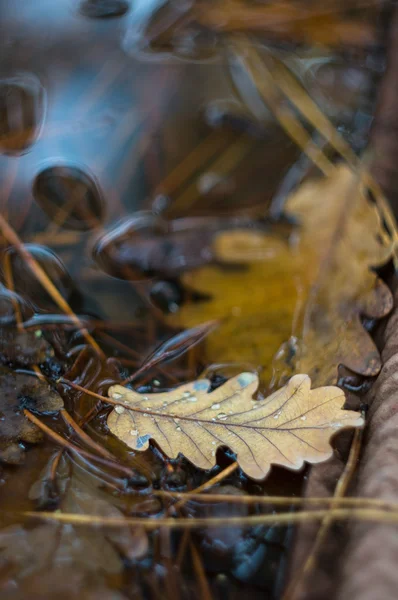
(147, 178)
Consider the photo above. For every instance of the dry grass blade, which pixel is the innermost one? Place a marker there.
(298, 96)
(72, 448)
(84, 437)
(225, 162)
(249, 59)
(275, 83)
(9, 281)
(210, 147)
(174, 347)
(294, 588)
(281, 519)
(84, 390)
(289, 427)
(200, 573)
(320, 501)
(11, 236)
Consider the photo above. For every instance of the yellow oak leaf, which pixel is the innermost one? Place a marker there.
(314, 287)
(292, 426)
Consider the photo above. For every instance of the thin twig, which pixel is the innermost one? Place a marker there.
(9, 281)
(280, 500)
(84, 437)
(79, 388)
(11, 236)
(213, 481)
(297, 583)
(223, 164)
(203, 584)
(72, 448)
(281, 519)
(205, 486)
(273, 84)
(55, 464)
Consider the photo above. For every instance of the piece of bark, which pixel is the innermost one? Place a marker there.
(358, 561)
(322, 482)
(370, 560)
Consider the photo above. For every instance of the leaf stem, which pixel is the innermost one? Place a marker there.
(72, 448)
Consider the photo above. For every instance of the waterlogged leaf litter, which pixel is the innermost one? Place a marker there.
(314, 287)
(291, 426)
(23, 348)
(21, 391)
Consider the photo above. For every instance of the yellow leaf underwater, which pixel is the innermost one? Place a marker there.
(300, 298)
(290, 427)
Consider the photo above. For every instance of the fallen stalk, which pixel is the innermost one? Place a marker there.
(274, 84)
(84, 437)
(286, 518)
(297, 583)
(280, 500)
(72, 448)
(11, 236)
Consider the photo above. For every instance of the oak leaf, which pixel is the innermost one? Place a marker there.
(315, 287)
(290, 427)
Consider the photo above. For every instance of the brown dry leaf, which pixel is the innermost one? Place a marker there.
(289, 427)
(313, 287)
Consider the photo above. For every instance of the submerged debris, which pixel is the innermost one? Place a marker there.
(19, 391)
(23, 348)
